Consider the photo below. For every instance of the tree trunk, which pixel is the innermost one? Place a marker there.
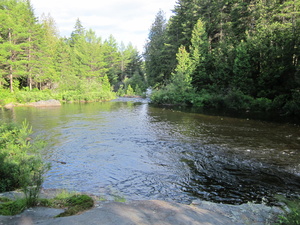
(10, 66)
(11, 79)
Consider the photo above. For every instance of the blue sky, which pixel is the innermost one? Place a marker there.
(126, 20)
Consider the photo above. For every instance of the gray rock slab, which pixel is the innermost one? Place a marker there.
(153, 212)
(31, 216)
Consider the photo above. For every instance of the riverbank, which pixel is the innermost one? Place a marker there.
(151, 212)
(148, 212)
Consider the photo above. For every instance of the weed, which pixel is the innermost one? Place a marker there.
(12, 207)
(76, 204)
(292, 216)
(119, 198)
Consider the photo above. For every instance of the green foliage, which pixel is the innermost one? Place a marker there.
(179, 90)
(121, 91)
(137, 82)
(129, 91)
(5, 96)
(156, 61)
(4, 199)
(74, 204)
(292, 216)
(33, 96)
(33, 56)
(242, 55)
(21, 164)
(119, 199)
(11, 208)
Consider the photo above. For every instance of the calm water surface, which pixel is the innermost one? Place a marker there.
(133, 150)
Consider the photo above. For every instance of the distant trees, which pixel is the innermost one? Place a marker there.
(33, 56)
(245, 53)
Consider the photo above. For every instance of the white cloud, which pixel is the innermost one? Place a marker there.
(126, 20)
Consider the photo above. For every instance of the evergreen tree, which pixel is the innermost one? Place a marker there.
(14, 35)
(45, 68)
(242, 78)
(181, 78)
(112, 58)
(95, 55)
(155, 58)
(200, 55)
(78, 46)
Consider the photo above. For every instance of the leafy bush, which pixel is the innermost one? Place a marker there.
(292, 107)
(129, 91)
(33, 96)
(21, 164)
(237, 100)
(261, 104)
(6, 97)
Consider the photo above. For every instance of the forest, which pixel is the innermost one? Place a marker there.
(37, 64)
(240, 55)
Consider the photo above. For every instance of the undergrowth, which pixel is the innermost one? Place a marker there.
(292, 216)
(72, 204)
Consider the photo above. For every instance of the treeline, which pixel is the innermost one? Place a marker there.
(234, 54)
(34, 57)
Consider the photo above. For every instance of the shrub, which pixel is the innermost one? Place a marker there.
(35, 95)
(237, 100)
(292, 107)
(129, 91)
(261, 104)
(21, 164)
(6, 97)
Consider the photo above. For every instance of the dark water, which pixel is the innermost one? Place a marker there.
(133, 150)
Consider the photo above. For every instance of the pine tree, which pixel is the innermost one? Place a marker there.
(155, 55)
(181, 78)
(242, 78)
(112, 58)
(95, 56)
(78, 46)
(200, 55)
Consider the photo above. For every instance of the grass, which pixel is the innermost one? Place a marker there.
(9, 208)
(292, 216)
(72, 203)
(119, 199)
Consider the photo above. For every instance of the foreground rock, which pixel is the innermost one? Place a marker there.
(154, 212)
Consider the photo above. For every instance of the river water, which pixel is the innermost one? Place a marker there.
(137, 151)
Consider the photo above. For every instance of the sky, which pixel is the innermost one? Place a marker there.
(127, 20)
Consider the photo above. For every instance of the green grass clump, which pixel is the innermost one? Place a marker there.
(292, 217)
(10, 208)
(119, 199)
(73, 204)
(76, 204)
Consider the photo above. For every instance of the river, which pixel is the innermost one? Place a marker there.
(137, 151)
